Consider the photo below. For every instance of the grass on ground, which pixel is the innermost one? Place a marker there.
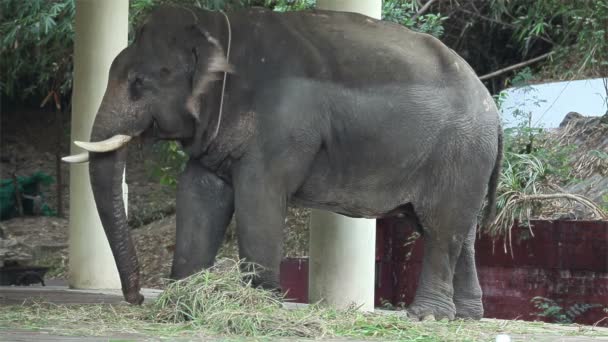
(218, 302)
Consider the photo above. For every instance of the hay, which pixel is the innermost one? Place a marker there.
(518, 209)
(525, 193)
(220, 300)
(589, 135)
(531, 188)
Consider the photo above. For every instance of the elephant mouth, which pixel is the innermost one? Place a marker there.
(155, 133)
(151, 135)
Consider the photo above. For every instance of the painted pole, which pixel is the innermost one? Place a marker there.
(371, 8)
(101, 33)
(342, 249)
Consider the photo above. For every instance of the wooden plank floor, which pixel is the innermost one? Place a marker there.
(64, 295)
(21, 335)
(61, 294)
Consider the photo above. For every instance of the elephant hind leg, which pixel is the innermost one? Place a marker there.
(467, 291)
(435, 290)
(446, 227)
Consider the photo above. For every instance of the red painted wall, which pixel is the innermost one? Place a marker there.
(566, 261)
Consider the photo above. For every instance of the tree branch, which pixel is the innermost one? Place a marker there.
(423, 9)
(515, 66)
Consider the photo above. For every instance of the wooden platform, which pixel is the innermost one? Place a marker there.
(64, 295)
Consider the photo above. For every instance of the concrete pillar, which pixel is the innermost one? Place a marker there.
(342, 249)
(101, 33)
(371, 8)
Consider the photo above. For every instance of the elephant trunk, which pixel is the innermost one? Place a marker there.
(106, 171)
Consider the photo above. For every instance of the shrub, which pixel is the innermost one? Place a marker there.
(36, 45)
(404, 13)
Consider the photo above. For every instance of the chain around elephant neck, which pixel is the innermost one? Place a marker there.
(219, 117)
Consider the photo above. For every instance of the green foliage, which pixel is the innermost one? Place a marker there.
(531, 164)
(551, 309)
(521, 173)
(290, 5)
(534, 167)
(138, 9)
(36, 43)
(529, 142)
(575, 29)
(168, 163)
(528, 139)
(403, 12)
(500, 99)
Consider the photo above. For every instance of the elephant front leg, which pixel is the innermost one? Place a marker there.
(205, 204)
(260, 210)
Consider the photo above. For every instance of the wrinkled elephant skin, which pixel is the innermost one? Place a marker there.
(327, 110)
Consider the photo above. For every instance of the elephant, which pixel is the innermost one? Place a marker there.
(320, 109)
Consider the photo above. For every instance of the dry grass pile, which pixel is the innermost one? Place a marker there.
(590, 136)
(525, 193)
(220, 300)
(531, 186)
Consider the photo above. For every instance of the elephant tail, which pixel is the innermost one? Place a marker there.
(489, 212)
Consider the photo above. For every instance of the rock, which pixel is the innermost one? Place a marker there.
(569, 117)
(11, 250)
(47, 251)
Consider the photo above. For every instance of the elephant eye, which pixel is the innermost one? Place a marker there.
(164, 72)
(135, 87)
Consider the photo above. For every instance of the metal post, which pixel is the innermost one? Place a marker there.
(101, 33)
(342, 249)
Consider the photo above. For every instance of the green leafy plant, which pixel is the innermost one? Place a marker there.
(552, 310)
(168, 163)
(36, 43)
(290, 5)
(526, 138)
(574, 29)
(404, 13)
(533, 169)
(527, 187)
(500, 99)
(139, 9)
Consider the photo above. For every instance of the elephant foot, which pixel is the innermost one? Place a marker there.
(469, 309)
(134, 298)
(431, 311)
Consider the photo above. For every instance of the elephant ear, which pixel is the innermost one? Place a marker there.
(210, 64)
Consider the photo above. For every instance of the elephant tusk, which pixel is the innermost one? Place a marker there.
(77, 158)
(107, 145)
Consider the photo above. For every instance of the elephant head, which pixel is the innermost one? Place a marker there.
(156, 86)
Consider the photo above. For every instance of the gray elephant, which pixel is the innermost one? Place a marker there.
(328, 110)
